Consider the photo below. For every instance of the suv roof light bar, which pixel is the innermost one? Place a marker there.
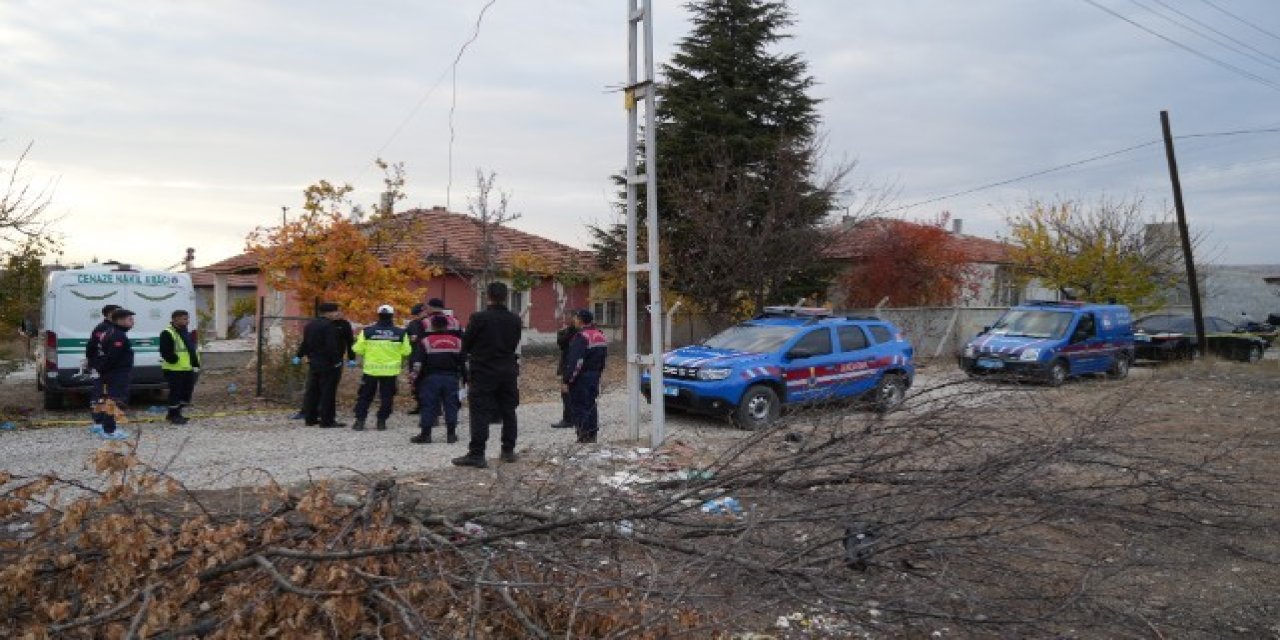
(791, 311)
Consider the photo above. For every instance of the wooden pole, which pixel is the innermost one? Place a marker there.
(1193, 284)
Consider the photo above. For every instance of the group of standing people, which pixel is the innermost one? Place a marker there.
(447, 362)
(109, 364)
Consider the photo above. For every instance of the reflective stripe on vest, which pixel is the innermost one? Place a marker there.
(179, 348)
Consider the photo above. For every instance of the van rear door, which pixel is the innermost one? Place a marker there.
(75, 302)
(154, 298)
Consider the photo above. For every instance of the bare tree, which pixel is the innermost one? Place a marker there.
(740, 262)
(489, 208)
(22, 209)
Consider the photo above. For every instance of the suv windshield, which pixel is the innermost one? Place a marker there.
(753, 338)
(1033, 324)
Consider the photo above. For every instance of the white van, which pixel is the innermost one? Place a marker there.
(73, 301)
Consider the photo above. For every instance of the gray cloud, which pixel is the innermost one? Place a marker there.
(190, 123)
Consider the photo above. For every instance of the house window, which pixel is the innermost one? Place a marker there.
(608, 313)
(515, 302)
(1006, 290)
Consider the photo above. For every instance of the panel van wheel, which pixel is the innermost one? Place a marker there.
(1254, 354)
(1119, 370)
(1057, 373)
(758, 408)
(52, 400)
(890, 393)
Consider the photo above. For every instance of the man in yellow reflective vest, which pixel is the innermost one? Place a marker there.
(180, 356)
(383, 346)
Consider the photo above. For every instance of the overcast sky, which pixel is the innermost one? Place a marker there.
(175, 124)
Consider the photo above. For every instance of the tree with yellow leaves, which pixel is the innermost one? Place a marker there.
(1095, 252)
(330, 253)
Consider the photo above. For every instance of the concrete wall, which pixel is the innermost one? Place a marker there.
(1231, 290)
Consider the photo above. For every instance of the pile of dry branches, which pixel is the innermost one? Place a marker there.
(1036, 520)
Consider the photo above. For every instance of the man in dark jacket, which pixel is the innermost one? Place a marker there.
(324, 351)
(440, 366)
(563, 337)
(415, 330)
(91, 353)
(181, 363)
(114, 363)
(491, 340)
(581, 379)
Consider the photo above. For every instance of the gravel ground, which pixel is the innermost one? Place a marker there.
(230, 449)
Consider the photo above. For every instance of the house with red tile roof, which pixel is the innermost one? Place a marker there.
(991, 264)
(453, 241)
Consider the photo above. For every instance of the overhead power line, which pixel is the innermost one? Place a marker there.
(1246, 23)
(1069, 165)
(451, 69)
(1223, 40)
(1192, 50)
(453, 103)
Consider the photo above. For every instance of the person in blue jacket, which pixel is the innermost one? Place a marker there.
(584, 364)
(114, 364)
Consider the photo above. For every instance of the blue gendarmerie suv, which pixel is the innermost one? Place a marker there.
(1052, 341)
(785, 356)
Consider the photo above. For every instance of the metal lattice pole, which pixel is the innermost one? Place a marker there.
(640, 92)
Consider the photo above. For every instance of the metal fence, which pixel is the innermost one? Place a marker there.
(277, 378)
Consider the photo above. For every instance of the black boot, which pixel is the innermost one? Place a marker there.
(175, 416)
(471, 460)
(421, 438)
(382, 424)
(451, 435)
(358, 425)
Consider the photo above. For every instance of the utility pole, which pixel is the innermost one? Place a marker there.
(1193, 285)
(640, 90)
(284, 216)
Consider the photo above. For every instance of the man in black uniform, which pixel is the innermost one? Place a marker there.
(114, 364)
(91, 353)
(563, 337)
(491, 340)
(438, 367)
(346, 342)
(323, 349)
(414, 330)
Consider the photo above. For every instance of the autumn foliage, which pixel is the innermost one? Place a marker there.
(324, 255)
(910, 263)
(1094, 251)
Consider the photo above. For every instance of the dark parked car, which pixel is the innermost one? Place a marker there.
(1173, 337)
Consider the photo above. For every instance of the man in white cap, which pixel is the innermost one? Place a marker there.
(383, 346)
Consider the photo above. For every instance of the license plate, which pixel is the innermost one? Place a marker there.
(990, 363)
(670, 391)
(1142, 338)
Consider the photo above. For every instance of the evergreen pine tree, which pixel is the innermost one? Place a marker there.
(740, 204)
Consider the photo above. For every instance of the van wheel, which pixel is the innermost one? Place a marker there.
(53, 400)
(890, 393)
(758, 408)
(1119, 370)
(1057, 373)
(1254, 354)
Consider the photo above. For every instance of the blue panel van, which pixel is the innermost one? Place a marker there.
(1053, 341)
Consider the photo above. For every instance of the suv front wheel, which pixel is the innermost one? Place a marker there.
(890, 393)
(758, 408)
